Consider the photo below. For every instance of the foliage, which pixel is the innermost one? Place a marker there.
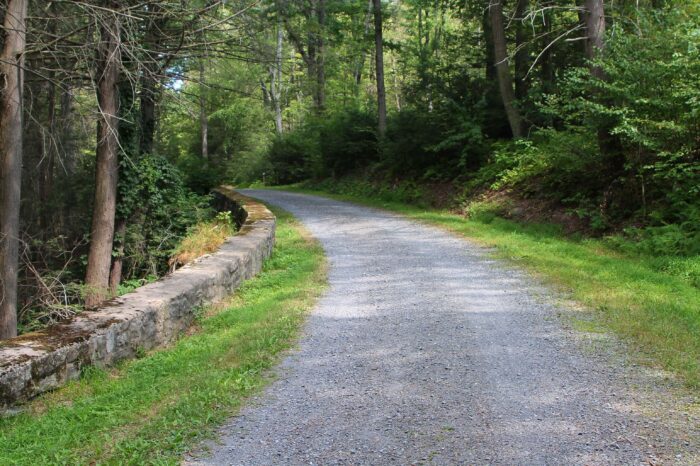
(163, 211)
(560, 166)
(652, 110)
(293, 156)
(432, 145)
(397, 191)
(347, 142)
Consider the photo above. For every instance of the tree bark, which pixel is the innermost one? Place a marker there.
(48, 161)
(153, 61)
(609, 144)
(12, 74)
(379, 60)
(107, 166)
(115, 273)
(357, 74)
(148, 114)
(595, 27)
(320, 57)
(546, 66)
(276, 85)
(505, 81)
(522, 53)
(203, 120)
(489, 70)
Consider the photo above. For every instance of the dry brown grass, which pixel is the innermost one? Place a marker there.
(203, 238)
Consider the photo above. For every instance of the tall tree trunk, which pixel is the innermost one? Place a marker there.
(609, 144)
(115, 273)
(130, 146)
(276, 85)
(66, 139)
(379, 57)
(148, 113)
(395, 75)
(357, 74)
(66, 148)
(50, 148)
(107, 164)
(203, 120)
(505, 81)
(522, 56)
(152, 63)
(321, 57)
(12, 74)
(546, 66)
(595, 28)
(312, 54)
(48, 160)
(489, 70)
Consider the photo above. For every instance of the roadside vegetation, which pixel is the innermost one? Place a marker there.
(203, 238)
(154, 409)
(653, 302)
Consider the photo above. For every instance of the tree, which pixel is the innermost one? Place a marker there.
(595, 34)
(12, 74)
(107, 164)
(521, 51)
(321, 56)
(276, 77)
(360, 63)
(273, 96)
(379, 60)
(203, 117)
(505, 81)
(311, 49)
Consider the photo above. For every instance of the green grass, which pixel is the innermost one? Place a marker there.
(656, 311)
(152, 410)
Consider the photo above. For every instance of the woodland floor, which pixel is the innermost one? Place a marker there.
(427, 350)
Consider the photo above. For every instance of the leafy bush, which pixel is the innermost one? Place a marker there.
(293, 156)
(398, 191)
(553, 164)
(672, 239)
(159, 209)
(435, 145)
(348, 142)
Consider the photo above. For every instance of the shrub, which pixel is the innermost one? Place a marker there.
(348, 142)
(159, 209)
(293, 156)
(435, 145)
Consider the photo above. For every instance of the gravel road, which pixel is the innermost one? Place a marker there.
(427, 351)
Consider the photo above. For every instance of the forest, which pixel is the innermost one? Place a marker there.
(117, 118)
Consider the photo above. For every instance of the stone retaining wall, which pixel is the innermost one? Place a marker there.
(152, 315)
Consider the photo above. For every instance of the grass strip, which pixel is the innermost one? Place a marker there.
(152, 410)
(657, 313)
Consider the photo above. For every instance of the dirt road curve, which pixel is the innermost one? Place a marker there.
(426, 351)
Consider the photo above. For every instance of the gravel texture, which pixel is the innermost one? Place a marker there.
(427, 351)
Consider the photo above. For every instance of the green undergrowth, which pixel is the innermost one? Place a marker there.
(153, 409)
(641, 298)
